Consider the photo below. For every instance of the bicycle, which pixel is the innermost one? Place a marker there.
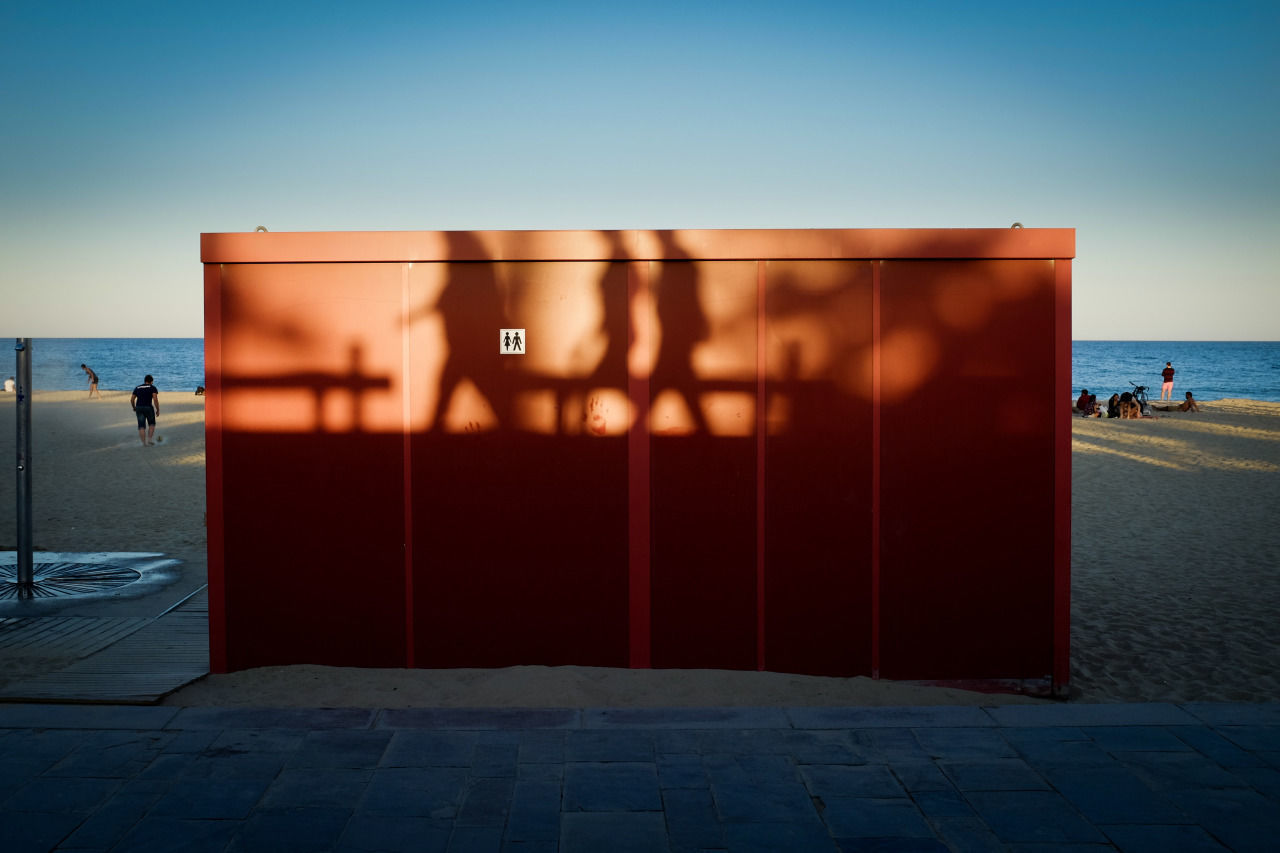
(1140, 397)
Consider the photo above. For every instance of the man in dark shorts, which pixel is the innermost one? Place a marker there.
(145, 400)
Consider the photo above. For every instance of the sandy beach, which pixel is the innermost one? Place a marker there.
(96, 488)
(1176, 567)
(1176, 555)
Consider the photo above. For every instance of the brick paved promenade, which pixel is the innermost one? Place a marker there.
(1156, 777)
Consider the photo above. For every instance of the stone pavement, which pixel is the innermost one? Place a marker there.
(1201, 776)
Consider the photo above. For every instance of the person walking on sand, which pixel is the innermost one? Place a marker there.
(145, 400)
(93, 383)
(1166, 388)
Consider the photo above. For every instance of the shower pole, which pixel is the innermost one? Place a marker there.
(25, 568)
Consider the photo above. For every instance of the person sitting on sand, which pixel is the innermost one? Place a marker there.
(1087, 404)
(1113, 406)
(93, 383)
(1133, 409)
(1187, 405)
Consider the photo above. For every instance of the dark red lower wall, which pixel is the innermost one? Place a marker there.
(704, 552)
(314, 568)
(519, 550)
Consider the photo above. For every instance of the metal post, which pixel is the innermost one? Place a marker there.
(25, 567)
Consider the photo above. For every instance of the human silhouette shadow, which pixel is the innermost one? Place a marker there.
(610, 371)
(471, 309)
(683, 326)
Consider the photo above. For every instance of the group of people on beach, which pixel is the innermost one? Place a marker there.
(1129, 406)
(1126, 406)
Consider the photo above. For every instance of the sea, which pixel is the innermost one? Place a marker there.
(121, 363)
(1211, 370)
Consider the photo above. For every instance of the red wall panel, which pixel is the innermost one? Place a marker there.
(311, 488)
(703, 469)
(818, 520)
(967, 456)
(519, 481)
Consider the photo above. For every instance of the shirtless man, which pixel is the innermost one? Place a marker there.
(1187, 405)
(145, 400)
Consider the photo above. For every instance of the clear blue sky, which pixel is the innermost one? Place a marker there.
(130, 128)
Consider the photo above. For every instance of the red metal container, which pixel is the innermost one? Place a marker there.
(837, 452)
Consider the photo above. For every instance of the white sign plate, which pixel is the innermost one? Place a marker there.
(511, 341)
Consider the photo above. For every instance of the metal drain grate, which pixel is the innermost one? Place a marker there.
(57, 580)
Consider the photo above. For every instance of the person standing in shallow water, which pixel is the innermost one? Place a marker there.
(145, 400)
(93, 382)
(1166, 388)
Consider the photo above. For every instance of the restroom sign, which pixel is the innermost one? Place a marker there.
(511, 341)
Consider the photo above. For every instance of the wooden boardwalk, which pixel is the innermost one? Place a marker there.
(132, 660)
(52, 637)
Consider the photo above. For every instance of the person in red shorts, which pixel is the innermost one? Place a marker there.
(1166, 389)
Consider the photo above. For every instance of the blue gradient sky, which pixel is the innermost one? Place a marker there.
(130, 128)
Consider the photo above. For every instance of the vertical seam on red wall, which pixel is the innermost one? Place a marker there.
(214, 527)
(639, 532)
(1061, 409)
(407, 424)
(761, 413)
(760, 416)
(875, 468)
